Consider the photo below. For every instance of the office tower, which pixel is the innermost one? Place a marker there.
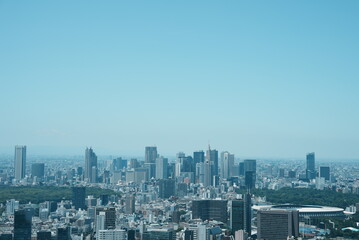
(166, 188)
(117, 234)
(63, 233)
(277, 224)
(100, 222)
(241, 169)
(212, 157)
(130, 204)
(198, 157)
(44, 235)
(110, 216)
(7, 236)
(38, 170)
(210, 209)
(250, 165)
(324, 172)
(20, 162)
(250, 170)
(227, 165)
(118, 164)
(207, 174)
(236, 215)
(150, 154)
(22, 224)
(161, 168)
(248, 214)
(249, 180)
(188, 234)
(78, 197)
(90, 165)
(311, 174)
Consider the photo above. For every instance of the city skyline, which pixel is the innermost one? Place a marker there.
(268, 79)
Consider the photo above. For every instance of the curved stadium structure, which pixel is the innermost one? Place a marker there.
(311, 211)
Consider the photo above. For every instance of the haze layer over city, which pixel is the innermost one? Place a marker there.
(189, 120)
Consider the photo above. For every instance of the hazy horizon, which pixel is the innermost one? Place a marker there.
(274, 79)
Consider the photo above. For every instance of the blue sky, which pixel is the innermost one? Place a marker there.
(256, 78)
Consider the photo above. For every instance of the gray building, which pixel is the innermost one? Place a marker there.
(38, 170)
(236, 215)
(90, 165)
(277, 224)
(161, 168)
(227, 165)
(324, 172)
(150, 154)
(20, 162)
(210, 210)
(310, 171)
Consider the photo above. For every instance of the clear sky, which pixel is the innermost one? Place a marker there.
(256, 78)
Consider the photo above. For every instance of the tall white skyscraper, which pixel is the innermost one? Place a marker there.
(20, 162)
(227, 164)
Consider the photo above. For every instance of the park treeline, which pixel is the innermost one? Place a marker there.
(306, 196)
(38, 194)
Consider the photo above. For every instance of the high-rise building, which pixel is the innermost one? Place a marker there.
(250, 170)
(159, 234)
(210, 209)
(324, 172)
(150, 154)
(227, 165)
(161, 168)
(90, 165)
(167, 188)
(43, 235)
(212, 157)
(198, 157)
(78, 197)
(110, 216)
(20, 162)
(38, 170)
(63, 233)
(22, 224)
(130, 204)
(236, 215)
(249, 179)
(116, 234)
(248, 214)
(310, 171)
(277, 224)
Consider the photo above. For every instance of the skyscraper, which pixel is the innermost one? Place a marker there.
(311, 174)
(161, 168)
(166, 188)
(78, 197)
(277, 224)
(227, 165)
(236, 215)
(20, 162)
(248, 213)
(250, 170)
(90, 165)
(22, 224)
(38, 170)
(324, 172)
(210, 209)
(150, 154)
(130, 204)
(198, 156)
(212, 157)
